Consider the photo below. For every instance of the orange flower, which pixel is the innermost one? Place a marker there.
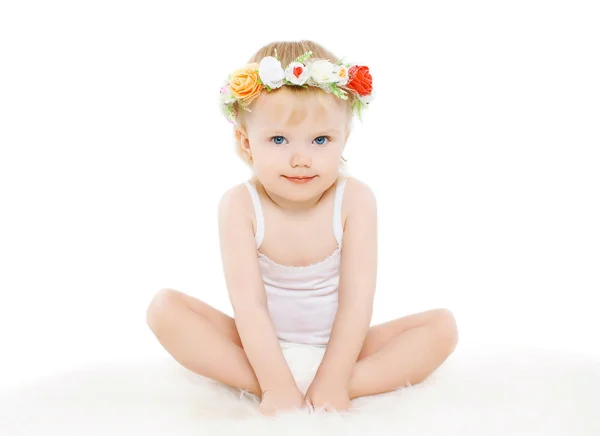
(245, 84)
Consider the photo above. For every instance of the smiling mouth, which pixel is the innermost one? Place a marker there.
(299, 179)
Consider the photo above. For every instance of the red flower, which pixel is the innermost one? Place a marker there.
(297, 71)
(360, 80)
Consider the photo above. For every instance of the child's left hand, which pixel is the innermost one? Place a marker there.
(327, 396)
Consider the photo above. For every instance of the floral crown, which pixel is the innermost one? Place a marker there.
(245, 84)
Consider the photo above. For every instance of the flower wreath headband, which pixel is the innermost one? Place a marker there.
(245, 84)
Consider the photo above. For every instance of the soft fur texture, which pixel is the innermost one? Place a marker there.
(513, 392)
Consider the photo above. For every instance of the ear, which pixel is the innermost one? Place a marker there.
(349, 127)
(241, 135)
(348, 131)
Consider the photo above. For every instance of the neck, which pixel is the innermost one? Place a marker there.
(294, 207)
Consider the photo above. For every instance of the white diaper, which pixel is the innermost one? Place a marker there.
(303, 360)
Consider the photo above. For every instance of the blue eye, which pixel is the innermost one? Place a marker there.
(320, 140)
(277, 138)
(322, 143)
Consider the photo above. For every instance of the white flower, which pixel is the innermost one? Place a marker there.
(271, 73)
(322, 71)
(226, 95)
(342, 73)
(297, 73)
(366, 99)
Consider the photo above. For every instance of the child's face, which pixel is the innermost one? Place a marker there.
(291, 134)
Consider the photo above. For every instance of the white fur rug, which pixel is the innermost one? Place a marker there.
(518, 392)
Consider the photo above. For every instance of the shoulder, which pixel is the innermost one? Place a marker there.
(358, 196)
(236, 200)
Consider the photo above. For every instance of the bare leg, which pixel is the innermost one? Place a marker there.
(201, 338)
(403, 352)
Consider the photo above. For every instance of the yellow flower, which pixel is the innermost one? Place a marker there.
(245, 84)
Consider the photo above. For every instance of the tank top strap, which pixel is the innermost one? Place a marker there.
(338, 229)
(260, 222)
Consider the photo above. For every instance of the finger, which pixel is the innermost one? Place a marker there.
(309, 406)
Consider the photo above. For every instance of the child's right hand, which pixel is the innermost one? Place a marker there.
(280, 400)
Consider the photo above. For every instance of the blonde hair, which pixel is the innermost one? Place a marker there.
(287, 52)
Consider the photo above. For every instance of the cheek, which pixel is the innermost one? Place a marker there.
(333, 155)
(278, 158)
(268, 164)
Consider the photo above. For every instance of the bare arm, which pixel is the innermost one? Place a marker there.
(247, 292)
(358, 273)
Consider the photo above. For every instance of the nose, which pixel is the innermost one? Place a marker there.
(301, 160)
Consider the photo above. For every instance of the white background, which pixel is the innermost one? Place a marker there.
(483, 148)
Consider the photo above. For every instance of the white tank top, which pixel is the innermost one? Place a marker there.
(302, 300)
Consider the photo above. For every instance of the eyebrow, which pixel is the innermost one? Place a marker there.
(326, 131)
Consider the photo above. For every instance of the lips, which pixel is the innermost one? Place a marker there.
(300, 179)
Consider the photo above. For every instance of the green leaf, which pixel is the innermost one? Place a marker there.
(229, 112)
(358, 107)
(303, 57)
(338, 92)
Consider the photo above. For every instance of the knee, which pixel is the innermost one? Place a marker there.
(159, 306)
(448, 328)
